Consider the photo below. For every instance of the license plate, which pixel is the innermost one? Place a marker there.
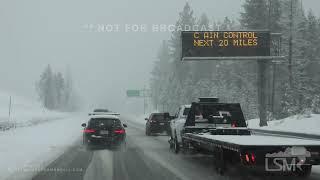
(161, 124)
(104, 132)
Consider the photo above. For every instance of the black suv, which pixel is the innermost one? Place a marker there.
(105, 130)
(158, 123)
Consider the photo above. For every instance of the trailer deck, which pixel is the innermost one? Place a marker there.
(255, 140)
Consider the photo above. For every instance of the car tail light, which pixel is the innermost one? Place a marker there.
(247, 158)
(119, 131)
(253, 158)
(250, 158)
(89, 131)
(233, 124)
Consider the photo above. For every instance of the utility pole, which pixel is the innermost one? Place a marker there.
(144, 100)
(9, 108)
(290, 45)
(262, 95)
(262, 84)
(270, 78)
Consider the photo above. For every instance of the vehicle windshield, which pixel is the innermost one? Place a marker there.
(160, 117)
(107, 89)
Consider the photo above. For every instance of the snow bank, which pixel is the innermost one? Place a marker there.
(298, 123)
(24, 111)
(24, 149)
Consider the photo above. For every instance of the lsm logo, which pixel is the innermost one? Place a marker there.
(290, 160)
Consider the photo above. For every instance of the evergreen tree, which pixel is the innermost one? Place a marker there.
(255, 15)
(45, 88)
(203, 69)
(186, 19)
(59, 86)
(160, 76)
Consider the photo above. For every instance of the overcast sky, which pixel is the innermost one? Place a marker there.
(35, 33)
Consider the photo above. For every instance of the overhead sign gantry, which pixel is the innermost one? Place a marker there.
(209, 45)
(235, 45)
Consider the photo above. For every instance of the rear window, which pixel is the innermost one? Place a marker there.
(160, 117)
(101, 110)
(186, 111)
(103, 122)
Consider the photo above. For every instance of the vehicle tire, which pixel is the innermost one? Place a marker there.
(122, 147)
(147, 132)
(219, 161)
(305, 171)
(168, 132)
(88, 146)
(176, 145)
(171, 144)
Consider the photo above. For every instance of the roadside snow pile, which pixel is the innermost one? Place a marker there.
(25, 150)
(297, 123)
(24, 112)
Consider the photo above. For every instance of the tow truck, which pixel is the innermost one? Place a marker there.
(220, 129)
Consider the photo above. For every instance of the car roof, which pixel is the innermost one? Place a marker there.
(106, 116)
(160, 113)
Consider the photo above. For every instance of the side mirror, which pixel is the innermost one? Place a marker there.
(146, 119)
(84, 125)
(125, 125)
(89, 114)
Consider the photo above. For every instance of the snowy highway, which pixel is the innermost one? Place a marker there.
(144, 158)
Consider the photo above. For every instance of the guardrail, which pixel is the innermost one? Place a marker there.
(286, 134)
(4, 126)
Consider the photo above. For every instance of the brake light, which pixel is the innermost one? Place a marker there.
(250, 158)
(89, 131)
(120, 131)
(253, 158)
(247, 158)
(233, 125)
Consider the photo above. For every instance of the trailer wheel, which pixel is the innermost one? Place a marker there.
(171, 144)
(305, 171)
(176, 145)
(219, 161)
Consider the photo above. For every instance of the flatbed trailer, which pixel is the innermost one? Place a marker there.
(239, 146)
(222, 131)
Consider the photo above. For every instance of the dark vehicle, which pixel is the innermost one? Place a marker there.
(104, 130)
(158, 123)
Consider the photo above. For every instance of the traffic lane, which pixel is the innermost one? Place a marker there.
(192, 166)
(143, 158)
(71, 165)
(126, 163)
(156, 148)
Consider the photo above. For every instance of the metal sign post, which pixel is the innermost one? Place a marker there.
(144, 93)
(9, 108)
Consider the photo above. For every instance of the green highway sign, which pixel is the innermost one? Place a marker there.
(133, 93)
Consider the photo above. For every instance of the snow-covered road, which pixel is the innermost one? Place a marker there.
(56, 149)
(144, 158)
(26, 149)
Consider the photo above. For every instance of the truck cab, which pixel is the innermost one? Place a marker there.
(177, 124)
